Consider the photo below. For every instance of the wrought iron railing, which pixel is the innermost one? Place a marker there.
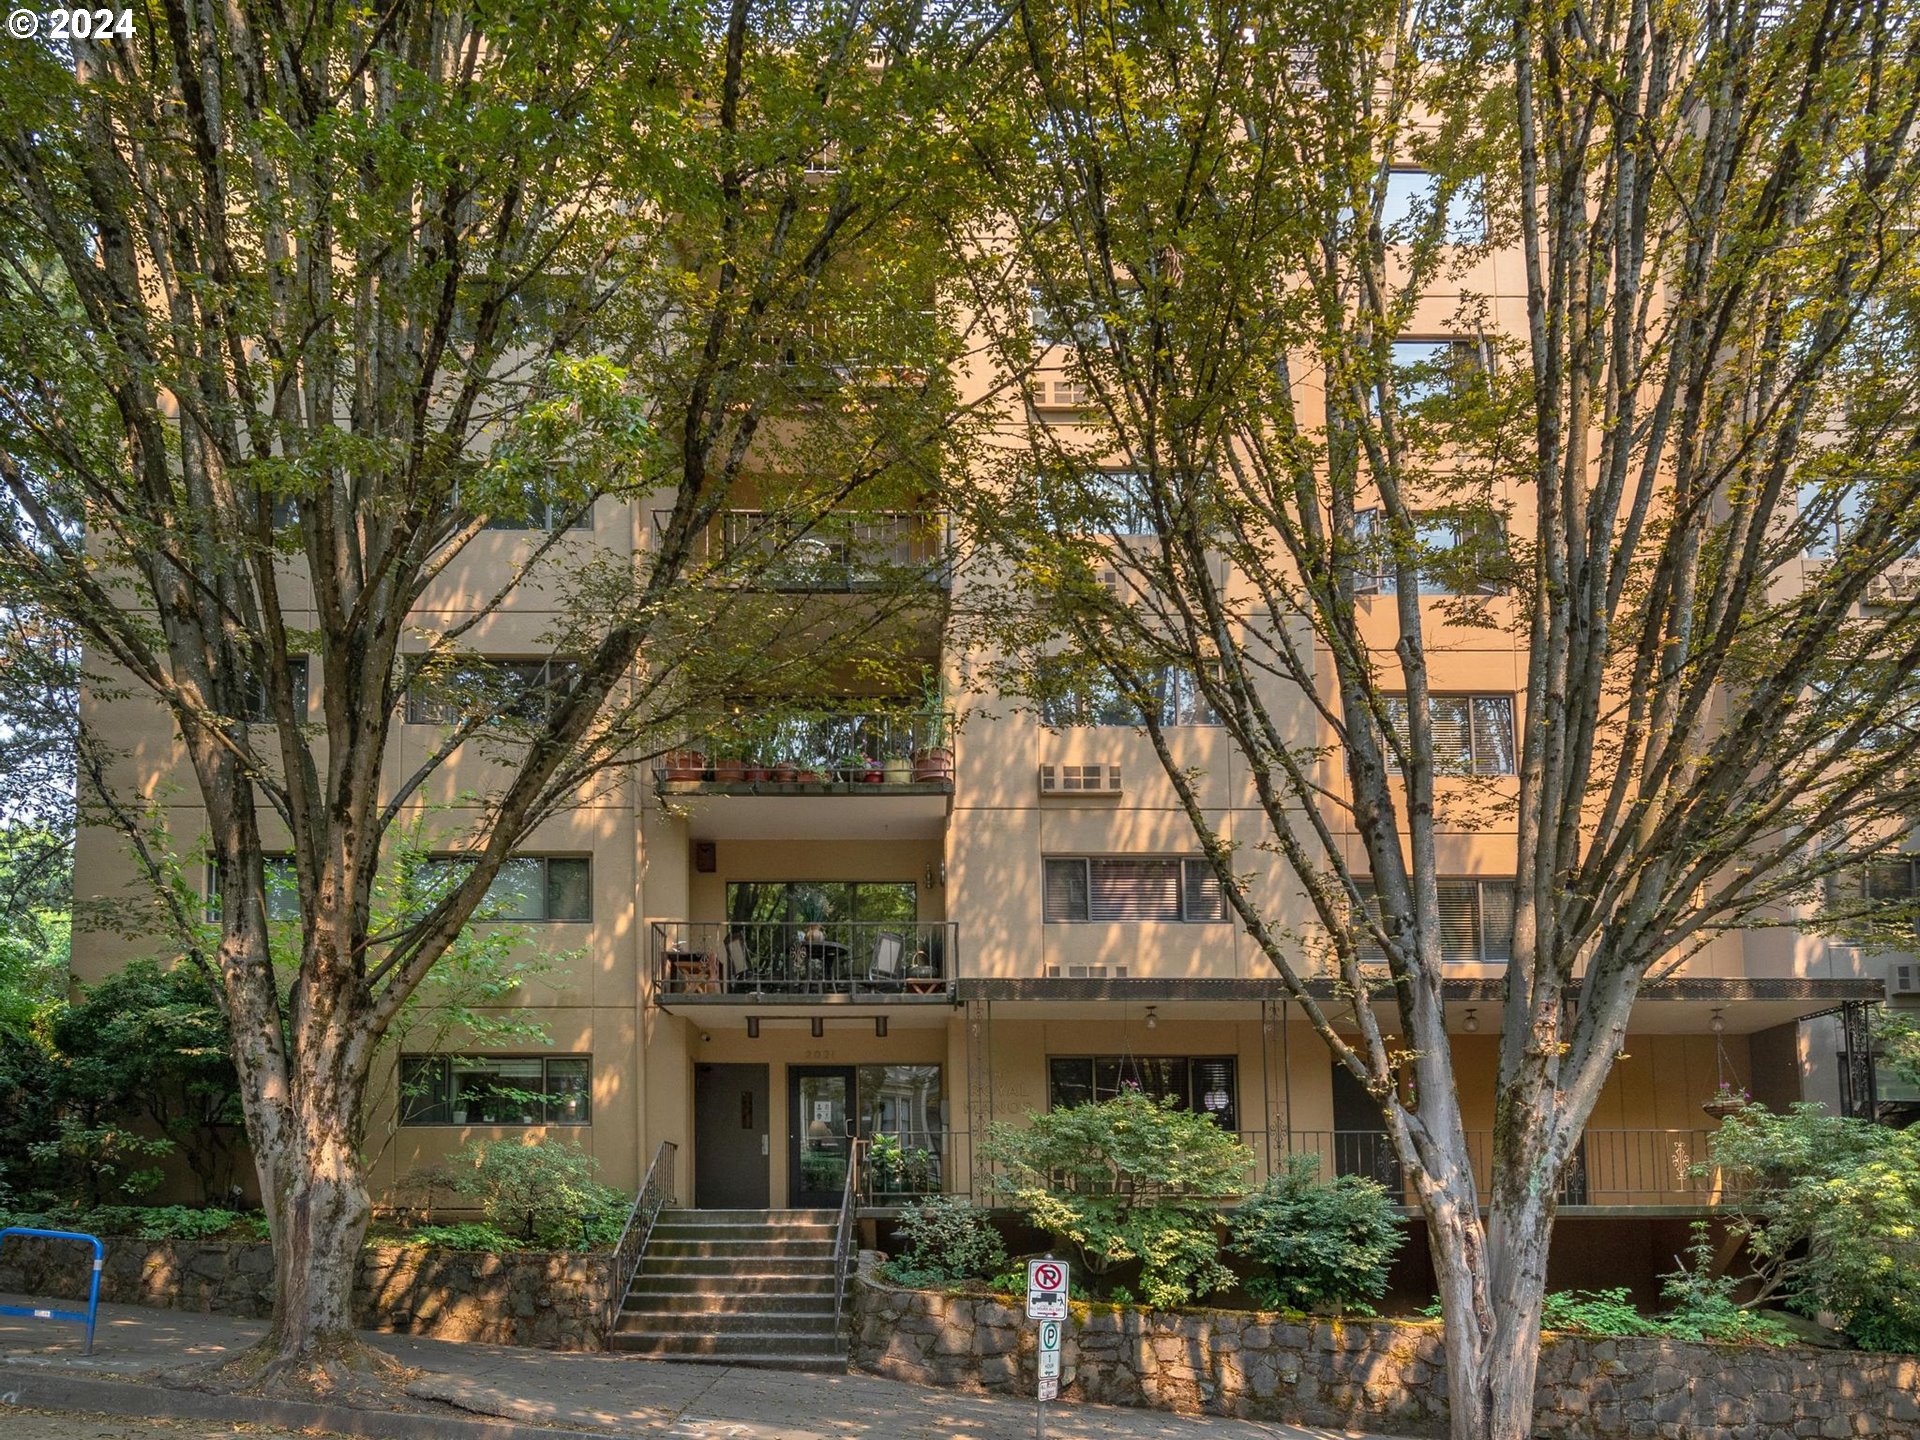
(908, 1165)
(863, 959)
(654, 1195)
(859, 751)
(1610, 1167)
(839, 552)
(844, 1250)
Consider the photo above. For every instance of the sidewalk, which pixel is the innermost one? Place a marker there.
(603, 1394)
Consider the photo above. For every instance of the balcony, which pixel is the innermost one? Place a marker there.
(834, 962)
(840, 553)
(874, 774)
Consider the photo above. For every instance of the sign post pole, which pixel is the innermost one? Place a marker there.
(1047, 1303)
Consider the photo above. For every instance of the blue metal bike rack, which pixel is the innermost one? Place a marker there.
(34, 1312)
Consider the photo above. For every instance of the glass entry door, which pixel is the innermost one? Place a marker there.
(821, 1110)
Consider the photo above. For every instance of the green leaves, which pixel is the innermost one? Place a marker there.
(1830, 1210)
(541, 1191)
(1322, 1245)
(1130, 1178)
(945, 1239)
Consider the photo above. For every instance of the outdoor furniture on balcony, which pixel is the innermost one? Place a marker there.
(847, 961)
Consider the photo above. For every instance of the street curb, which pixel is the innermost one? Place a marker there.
(47, 1390)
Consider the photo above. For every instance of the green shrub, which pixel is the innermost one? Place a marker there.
(460, 1237)
(1829, 1207)
(1703, 1303)
(540, 1191)
(945, 1239)
(1130, 1178)
(1321, 1246)
(177, 1222)
(1595, 1312)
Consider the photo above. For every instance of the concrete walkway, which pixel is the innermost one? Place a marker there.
(607, 1394)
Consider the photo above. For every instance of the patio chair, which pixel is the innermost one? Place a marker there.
(737, 971)
(884, 973)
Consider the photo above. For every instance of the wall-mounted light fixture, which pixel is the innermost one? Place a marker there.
(1153, 1020)
(753, 1027)
(879, 1027)
(1472, 1022)
(819, 1027)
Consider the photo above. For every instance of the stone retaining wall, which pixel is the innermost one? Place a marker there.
(1385, 1375)
(554, 1300)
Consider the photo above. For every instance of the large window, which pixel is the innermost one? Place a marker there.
(1426, 369)
(522, 691)
(1472, 734)
(528, 887)
(540, 505)
(257, 709)
(1458, 554)
(1097, 700)
(1093, 887)
(1209, 1084)
(1476, 922)
(282, 882)
(1409, 204)
(496, 1089)
(822, 901)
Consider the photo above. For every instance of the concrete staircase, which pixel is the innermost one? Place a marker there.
(736, 1287)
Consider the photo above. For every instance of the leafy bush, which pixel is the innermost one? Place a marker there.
(1321, 1246)
(946, 1239)
(1130, 1178)
(460, 1237)
(1829, 1207)
(149, 1222)
(1595, 1312)
(540, 1191)
(1703, 1303)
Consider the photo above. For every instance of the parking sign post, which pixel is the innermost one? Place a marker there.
(1047, 1303)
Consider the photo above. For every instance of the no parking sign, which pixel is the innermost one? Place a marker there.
(1046, 1290)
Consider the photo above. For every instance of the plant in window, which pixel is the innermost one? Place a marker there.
(1127, 1179)
(540, 1191)
(1320, 1245)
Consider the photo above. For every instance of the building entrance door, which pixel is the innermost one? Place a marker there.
(820, 1115)
(731, 1165)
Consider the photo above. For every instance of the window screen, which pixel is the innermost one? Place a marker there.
(1472, 734)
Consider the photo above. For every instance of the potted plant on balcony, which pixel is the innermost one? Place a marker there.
(731, 770)
(685, 764)
(934, 760)
(887, 1163)
(859, 769)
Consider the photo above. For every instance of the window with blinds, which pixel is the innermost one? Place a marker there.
(1087, 888)
(1472, 734)
(1476, 922)
(1458, 554)
(1208, 1084)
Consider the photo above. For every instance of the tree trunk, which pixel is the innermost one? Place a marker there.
(321, 1214)
(1492, 1287)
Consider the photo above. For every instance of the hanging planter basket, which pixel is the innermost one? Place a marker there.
(1725, 1103)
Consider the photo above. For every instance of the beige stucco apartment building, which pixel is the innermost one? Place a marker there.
(767, 952)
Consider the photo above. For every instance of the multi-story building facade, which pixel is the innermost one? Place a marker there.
(921, 916)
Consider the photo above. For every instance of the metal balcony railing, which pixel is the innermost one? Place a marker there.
(752, 960)
(1611, 1167)
(846, 749)
(839, 552)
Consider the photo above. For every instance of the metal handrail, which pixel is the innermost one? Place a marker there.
(843, 1237)
(870, 960)
(653, 1196)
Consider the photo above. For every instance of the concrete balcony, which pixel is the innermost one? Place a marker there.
(846, 773)
(838, 553)
(831, 962)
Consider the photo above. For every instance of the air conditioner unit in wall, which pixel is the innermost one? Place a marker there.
(1094, 779)
(1086, 972)
(1903, 984)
